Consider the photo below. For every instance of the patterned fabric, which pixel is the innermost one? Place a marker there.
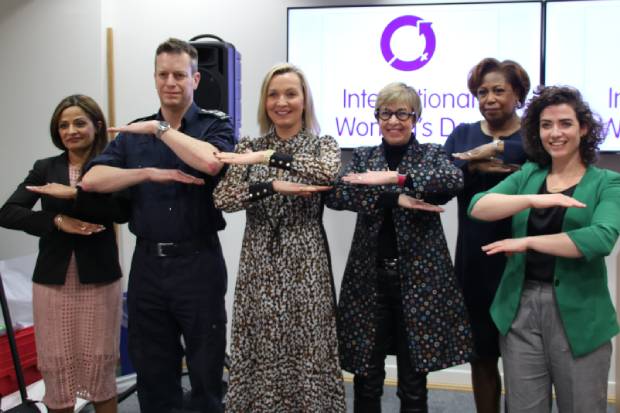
(77, 329)
(284, 347)
(436, 321)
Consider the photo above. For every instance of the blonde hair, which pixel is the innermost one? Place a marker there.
(308, 115)
(398, 92)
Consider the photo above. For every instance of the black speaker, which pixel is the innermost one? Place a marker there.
(219, 64)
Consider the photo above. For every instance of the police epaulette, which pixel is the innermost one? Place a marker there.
(214, 112)
(150, 117)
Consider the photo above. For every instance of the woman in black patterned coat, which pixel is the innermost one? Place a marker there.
(284, 349)
(399, 293)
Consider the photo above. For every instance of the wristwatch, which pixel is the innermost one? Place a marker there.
(499, 145)
(162, 127)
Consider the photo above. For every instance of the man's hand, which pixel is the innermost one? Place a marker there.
(165, 176)
(147, 127)
(54, 190)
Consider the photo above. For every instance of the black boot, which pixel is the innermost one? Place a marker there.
(412, 392)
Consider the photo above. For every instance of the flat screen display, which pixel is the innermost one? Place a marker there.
(350, 53)
(582, 51)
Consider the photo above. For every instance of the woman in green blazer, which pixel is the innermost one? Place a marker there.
(553, 306)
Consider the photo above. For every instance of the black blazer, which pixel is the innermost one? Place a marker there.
(96, 255)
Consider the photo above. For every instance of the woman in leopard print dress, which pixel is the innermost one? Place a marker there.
(284, 345)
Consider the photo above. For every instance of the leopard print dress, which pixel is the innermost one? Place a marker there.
(284, 347)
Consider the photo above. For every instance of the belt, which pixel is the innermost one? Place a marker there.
(387, 263)
(177, 249)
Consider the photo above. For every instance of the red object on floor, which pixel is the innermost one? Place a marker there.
(27, 356)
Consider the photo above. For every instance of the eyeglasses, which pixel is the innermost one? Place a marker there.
(385, 114)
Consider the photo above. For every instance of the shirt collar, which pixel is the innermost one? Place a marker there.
(190, 115)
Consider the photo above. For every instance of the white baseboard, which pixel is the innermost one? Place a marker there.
(455, 379)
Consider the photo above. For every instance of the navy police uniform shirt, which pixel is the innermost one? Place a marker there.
(172, 212)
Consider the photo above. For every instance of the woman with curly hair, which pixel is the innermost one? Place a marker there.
(553, 307)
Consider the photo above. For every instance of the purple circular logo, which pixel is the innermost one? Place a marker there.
(424, 30)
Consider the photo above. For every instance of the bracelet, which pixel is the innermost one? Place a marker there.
(58, 221)
(268, 154)
(401, 180)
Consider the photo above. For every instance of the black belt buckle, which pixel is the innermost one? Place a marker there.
(160, 248)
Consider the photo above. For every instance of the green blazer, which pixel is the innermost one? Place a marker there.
(580, 284)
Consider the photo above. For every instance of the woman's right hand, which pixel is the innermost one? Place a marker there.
(54, 190)
(75, 226)
(294, 188)
(554, 200)
(409, 202)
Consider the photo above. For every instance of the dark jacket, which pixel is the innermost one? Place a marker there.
(96, 255)
(435, 318)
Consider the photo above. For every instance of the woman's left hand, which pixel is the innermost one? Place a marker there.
(409, 202)
(508, 246)
(486, 151)
(54, 190)
(246, 158)
(372, 178)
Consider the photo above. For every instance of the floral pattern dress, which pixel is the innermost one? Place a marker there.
(284, 346)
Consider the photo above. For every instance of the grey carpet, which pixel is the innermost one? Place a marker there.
(440, 401)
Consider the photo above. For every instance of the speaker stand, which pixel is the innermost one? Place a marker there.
(26, 405)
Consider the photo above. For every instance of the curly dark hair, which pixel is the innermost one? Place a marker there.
(512, 71)
(545, 96)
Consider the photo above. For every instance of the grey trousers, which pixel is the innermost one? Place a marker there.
(536, 355)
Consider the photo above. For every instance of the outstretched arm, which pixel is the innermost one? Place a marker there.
(559, 245)
(104, 178)
(493, 206)
(196, 153)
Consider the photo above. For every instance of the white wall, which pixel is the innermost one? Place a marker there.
(54, 48)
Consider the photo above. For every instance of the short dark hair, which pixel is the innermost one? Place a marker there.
(94, 113)
(512, 71)
(546, 96)
(178, 46)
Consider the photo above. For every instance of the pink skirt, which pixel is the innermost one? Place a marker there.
(77, 328)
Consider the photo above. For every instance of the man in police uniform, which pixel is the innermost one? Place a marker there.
(178, 280)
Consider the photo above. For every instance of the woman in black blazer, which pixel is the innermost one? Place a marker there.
(76, 281)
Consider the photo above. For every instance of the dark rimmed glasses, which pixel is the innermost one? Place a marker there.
(401, 115)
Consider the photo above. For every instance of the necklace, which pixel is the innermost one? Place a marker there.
(562, 183)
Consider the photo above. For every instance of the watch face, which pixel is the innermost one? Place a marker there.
(162, 127)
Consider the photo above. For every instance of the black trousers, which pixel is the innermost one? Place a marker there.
(390, 336)
(170, 297)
